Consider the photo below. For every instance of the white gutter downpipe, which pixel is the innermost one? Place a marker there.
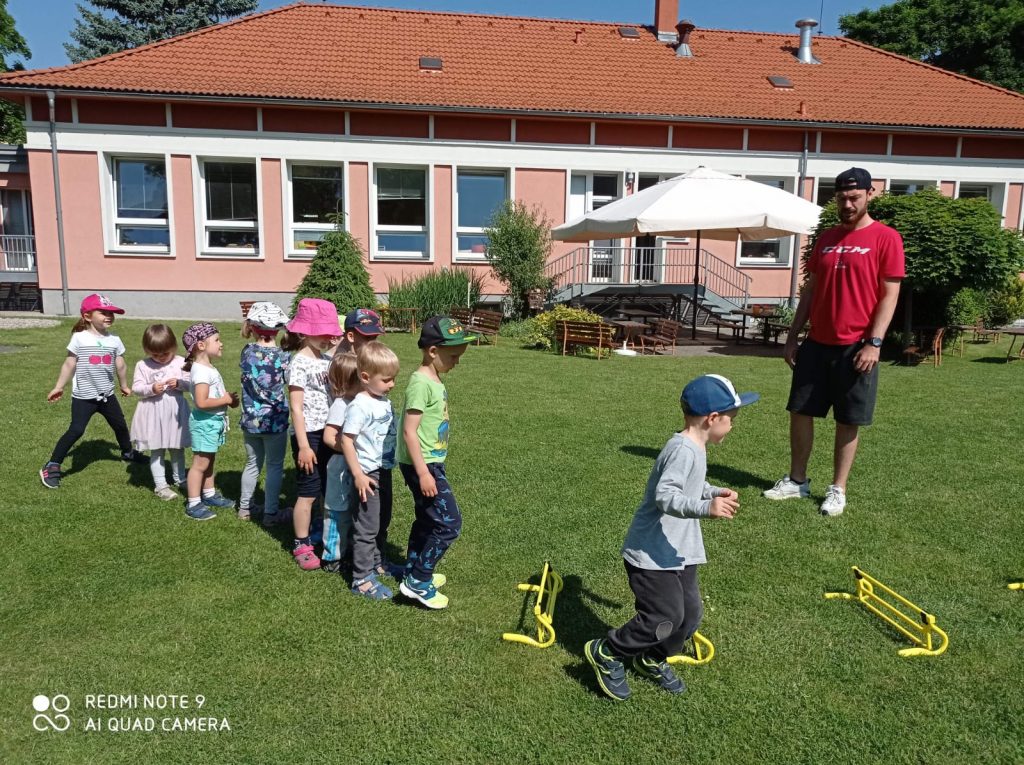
(51, 99)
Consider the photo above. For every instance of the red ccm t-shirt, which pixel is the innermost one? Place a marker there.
(849, 267)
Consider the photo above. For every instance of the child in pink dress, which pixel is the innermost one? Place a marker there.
(161, 418)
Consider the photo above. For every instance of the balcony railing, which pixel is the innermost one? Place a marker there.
(648, 266)
(19, 252)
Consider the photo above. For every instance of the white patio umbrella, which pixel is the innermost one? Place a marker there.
(701, 203)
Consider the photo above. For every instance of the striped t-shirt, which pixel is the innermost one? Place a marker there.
(94, 368)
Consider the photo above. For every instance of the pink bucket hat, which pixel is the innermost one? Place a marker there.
(98, 302)
(315, 317)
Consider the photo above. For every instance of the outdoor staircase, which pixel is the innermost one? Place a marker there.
(609, 280)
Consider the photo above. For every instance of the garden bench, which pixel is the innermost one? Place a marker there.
(590, 334)
(919, 351)
(735, 327)
(663, 333)
(484, 324)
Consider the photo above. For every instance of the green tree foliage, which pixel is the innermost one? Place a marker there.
(950, 244)
(519, 242)
(979, 38)
(116, 25)
(338, 273)
(12, 44)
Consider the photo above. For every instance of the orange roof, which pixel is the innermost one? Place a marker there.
(343, 54)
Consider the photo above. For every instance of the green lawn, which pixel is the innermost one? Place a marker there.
(108, 590)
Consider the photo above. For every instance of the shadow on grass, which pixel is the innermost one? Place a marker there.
(84, 453)
(719, 475)
(575, 623)
(993, 360)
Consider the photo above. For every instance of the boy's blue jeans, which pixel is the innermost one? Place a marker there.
(437, 524)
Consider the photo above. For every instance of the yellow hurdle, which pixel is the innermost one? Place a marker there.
(1015, 586)
(543, 610)
(920, 630)
(703, 652)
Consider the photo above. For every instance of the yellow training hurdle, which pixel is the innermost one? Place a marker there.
(543, 609)
(919, 630)
(703, 652)
(1015, 586)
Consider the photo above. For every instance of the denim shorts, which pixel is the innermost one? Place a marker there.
(207, 432)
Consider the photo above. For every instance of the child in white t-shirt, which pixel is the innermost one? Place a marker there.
(339, 497)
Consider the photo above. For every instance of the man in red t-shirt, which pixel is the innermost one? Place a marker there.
(853, 282)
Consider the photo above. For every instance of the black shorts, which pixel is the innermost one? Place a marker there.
(312, 484)
(825, 378)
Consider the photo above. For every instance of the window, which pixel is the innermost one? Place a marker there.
(402, 229)
(317, 196)
(140, 205)
(230, 224)
(903, 188)
(15, 212)
(993, 193)
(826, 192)
(589, 192)
(479, 194)
(769, 252)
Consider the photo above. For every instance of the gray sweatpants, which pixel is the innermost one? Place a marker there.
(260, 448)
(370, 527)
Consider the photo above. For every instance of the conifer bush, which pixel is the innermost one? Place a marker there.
(338, 273)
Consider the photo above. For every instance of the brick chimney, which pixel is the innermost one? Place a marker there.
(666, 14)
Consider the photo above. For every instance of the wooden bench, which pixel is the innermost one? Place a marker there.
(917, 352)
(663, 333)
(245, 305)
(734, 326)
(483, 324)
(589, 334)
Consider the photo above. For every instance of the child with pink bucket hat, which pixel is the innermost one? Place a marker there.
(315, 326)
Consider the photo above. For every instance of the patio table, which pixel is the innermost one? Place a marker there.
(766, 321)
(630, 331)
(1014, 333)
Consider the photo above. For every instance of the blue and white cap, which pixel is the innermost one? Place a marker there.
(714, 393)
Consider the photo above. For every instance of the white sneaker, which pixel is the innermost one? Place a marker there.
(166, 493)
(835, 501)
(787, 488)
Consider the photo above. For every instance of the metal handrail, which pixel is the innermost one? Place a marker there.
(648, 265)
(19, 252)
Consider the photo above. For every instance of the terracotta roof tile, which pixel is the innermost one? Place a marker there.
(366, 55)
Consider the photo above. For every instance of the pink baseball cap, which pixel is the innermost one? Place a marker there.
(98, 302)
(315, 317)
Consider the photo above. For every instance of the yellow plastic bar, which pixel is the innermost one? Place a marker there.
(919, 630)
(1015, 586)
(543, 610)
(703, 652)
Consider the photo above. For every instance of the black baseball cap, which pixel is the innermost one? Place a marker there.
(442, 330)
(854, 178)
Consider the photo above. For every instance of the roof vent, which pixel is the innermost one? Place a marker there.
(629, 32)
(805, 55)
(684, 28)
(431, 63)
(778, 81)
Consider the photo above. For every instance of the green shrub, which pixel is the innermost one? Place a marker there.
(435, 291)
(338, 273)
(1006, 304)
(518, 246)
(967, 306)
(517, 330)
(542, 326)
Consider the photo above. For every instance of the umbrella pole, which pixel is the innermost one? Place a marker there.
(696, 283)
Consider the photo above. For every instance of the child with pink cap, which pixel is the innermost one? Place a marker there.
(312, 331)
(95, 356)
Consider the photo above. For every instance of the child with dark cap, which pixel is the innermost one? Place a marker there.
(361, 327)
(422, 449)
(664, 545)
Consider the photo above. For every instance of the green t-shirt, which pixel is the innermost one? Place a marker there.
(431, 398)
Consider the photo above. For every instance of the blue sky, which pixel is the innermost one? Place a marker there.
(46, 24)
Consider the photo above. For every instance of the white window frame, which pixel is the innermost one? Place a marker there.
(426, 230)
(784, 260)
(108, 201)
(290, 224)
(615, 246)
(460, 256)
(26, 206)
(909, 181)
(203, 249)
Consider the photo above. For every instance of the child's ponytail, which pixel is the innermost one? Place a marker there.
(187, 366)
(291, 341)
(80, 325)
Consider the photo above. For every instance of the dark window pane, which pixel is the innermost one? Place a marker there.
(316, 193)
(220, 237)
(474, 243)
(975, 191)
(480, 195)
(141, 188)
(143, 235)
(646, 181)
(902, 188)
(606, 185)
(230, 191)
(826, 191)
(767, 250)
(397, 243)
(401, 197)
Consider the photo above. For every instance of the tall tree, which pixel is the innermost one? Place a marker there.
(131, 23)
(12, 44)
(980, 38)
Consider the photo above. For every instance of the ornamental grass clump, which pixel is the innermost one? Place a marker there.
(435, 292)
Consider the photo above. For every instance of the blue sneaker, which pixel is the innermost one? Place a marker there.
(376, 590)
(611, 675)
(216, 500)
(659, 672)
(199, 512)
(425, 592)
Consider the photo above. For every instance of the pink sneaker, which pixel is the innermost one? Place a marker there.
(306, 558)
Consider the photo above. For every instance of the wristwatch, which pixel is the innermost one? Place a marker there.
(874, 342)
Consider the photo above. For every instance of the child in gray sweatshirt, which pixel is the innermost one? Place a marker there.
(664, 545)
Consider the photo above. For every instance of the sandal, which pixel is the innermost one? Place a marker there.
(376, 590)
(306, 558)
